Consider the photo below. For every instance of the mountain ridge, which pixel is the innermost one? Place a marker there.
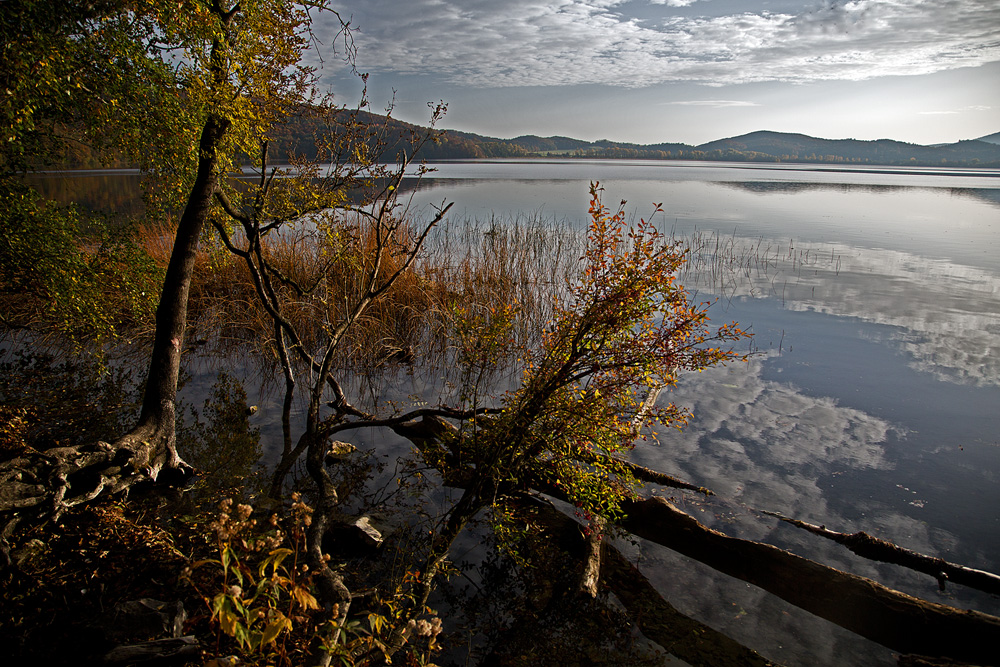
(774, 146)
(990, 138)
(757, 146)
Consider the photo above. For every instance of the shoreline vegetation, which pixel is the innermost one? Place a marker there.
(235, 571)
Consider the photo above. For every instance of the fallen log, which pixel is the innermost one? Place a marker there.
(891, 618)
(171, 651)
(645, 474)
(873, 548)
(693, 642)
(896, 620)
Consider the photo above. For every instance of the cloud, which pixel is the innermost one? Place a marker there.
(768, 443)
(945, 314)
(718, 104)
(975, 107)
(673, 3)
(504, 43)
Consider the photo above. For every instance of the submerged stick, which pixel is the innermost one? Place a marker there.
(873, 548)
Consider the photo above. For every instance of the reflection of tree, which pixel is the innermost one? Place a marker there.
(219, 441)
(64, 401)
(794, 187)
(990, 196)
(986, 195)
(566, 628)
(95, 192)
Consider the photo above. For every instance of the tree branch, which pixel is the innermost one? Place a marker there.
(873, 548)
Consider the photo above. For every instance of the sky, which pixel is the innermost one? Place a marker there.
(688, 71)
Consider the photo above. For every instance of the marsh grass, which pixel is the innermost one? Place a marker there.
(504, 274)
(482, 290)
(471, 269)
(731, 266)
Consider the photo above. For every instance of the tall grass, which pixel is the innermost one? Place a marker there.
(497, 276)
(524, 261)
(473, 264)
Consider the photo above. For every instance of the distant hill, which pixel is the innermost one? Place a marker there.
(549, 144)
(762, 146)
(387, 137)
(991, 138)
(800, 147)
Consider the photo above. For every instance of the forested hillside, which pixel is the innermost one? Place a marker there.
(300, 134)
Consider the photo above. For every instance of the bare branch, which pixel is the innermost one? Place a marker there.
(874, 548)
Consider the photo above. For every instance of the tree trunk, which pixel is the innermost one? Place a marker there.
(52, 481)
(873, 548)
(153, 438)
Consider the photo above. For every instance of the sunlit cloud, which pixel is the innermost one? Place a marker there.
(505, 43)
(975, 107)
(717, 104)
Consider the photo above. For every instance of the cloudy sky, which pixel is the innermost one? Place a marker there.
(649, 71)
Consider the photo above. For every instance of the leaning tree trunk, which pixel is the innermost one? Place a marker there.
(893, 619)
(153, 438)
(46, 483)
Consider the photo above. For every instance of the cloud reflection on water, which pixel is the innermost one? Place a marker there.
(947, 314)
(763, 443)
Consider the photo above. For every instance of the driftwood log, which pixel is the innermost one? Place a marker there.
(893, 619)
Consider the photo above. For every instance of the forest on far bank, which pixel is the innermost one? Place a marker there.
(297, 135)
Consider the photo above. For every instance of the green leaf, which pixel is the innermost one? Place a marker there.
(278, 623)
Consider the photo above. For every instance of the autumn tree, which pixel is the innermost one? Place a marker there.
(70, 73)
(621, 331)
(187, 91)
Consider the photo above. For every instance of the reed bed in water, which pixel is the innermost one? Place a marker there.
(732, 266)
(476, 279)
(318, 273)
(500, 269)
(470, 273)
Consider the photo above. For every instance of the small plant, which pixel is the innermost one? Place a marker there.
(393, 627)
(264, 593)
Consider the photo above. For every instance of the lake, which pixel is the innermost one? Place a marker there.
(872, 399)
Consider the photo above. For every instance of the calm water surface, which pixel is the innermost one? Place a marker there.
(873, 400)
